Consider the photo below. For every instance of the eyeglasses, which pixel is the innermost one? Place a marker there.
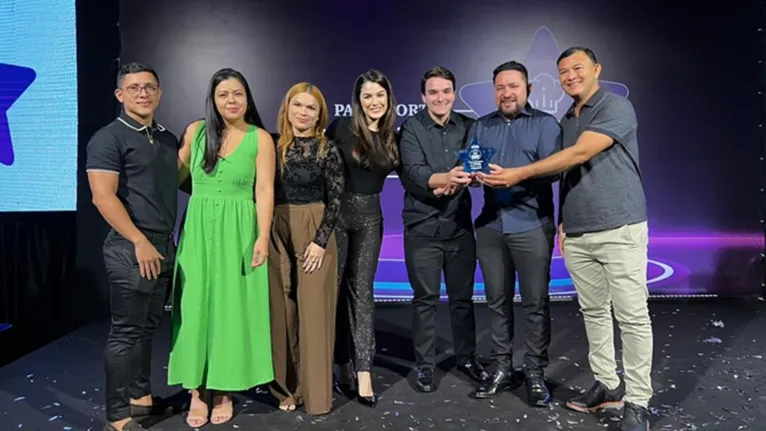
(135, 89)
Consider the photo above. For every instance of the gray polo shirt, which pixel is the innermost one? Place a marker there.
(605, 192)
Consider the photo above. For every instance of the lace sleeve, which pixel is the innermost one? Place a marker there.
(332, 165)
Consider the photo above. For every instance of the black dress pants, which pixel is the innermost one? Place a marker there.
(137, 305)
(360, 236)
(501, 256)
(426, 258)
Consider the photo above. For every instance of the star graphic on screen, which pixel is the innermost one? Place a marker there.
(14, 80)
(547, 94)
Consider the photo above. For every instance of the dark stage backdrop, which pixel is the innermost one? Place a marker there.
(693, 79)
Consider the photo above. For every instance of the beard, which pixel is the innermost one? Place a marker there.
(511, 114)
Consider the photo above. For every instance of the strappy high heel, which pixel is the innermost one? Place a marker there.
(198, 416)
(222, 411)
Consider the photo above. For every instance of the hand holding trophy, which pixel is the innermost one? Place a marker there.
(476, 159)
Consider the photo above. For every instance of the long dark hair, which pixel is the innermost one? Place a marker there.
(364, 151)
(214, 124)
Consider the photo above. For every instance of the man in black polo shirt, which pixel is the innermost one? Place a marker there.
(133, 173)
(603, 234)
(438, 230)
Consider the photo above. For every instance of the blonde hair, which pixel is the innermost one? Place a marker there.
(285, 128)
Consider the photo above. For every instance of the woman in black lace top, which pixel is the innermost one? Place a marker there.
(303, 256)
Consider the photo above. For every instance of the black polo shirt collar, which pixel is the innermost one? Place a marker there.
(128, 121)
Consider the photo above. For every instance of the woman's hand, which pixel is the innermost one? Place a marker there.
(312, 258)
(260, 251)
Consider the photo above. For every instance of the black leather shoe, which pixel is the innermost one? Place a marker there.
(499, 382)
(159, 407)
(634, 418)
(132, 425)
(474, 370)
(537, 391)
(425, 380)
(598, 397)
(368, 401)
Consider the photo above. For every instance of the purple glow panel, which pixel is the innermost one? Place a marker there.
(678, 265)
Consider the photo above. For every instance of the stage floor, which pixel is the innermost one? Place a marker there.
(709, 373)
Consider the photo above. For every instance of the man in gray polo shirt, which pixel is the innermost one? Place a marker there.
(602, 233)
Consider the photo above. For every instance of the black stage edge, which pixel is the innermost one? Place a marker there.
(709, 374)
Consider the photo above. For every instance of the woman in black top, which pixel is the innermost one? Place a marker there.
(303, 253)
(367, 143)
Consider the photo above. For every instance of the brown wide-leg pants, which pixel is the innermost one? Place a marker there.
(302, 307)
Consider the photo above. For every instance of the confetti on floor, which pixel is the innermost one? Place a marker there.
(707, 375)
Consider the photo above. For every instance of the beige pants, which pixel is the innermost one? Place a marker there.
(609, 271)
(302, 310)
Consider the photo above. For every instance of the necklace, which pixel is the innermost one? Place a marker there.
(149, 136)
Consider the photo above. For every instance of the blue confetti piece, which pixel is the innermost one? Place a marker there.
(67, 428)
(57, 404)
(53, 418)
(20, 398)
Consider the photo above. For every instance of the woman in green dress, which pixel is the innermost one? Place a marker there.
(221, 336)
